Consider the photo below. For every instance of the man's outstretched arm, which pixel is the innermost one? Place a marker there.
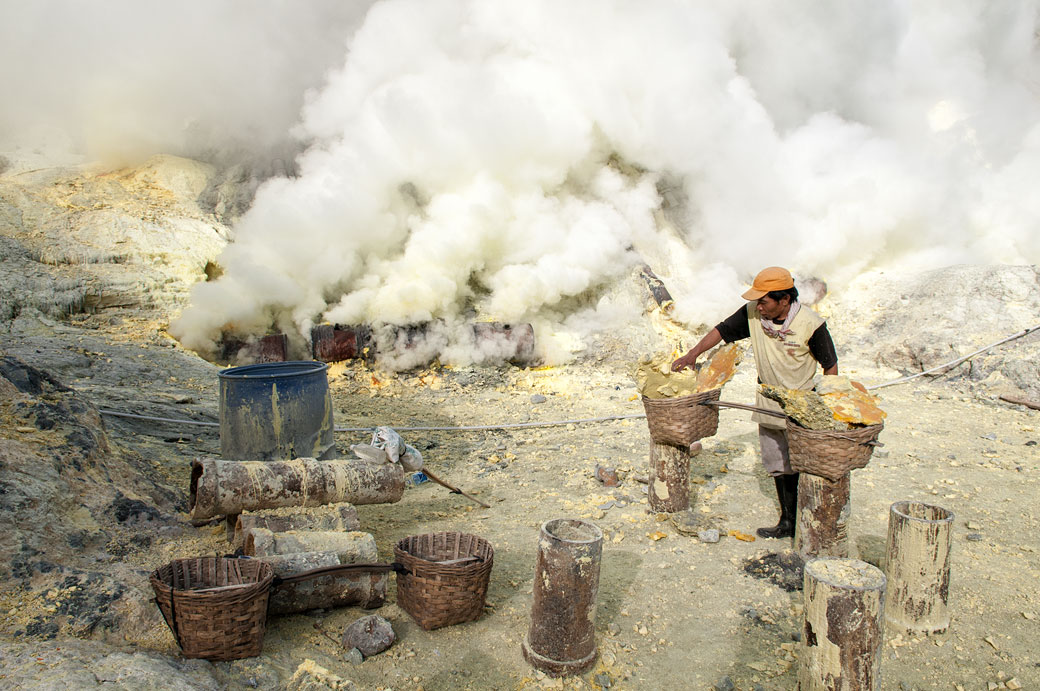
(710, 340)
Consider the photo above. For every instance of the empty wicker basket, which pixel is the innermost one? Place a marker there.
(216, 608)
(682, 421)
(830, 454)
(445, 577)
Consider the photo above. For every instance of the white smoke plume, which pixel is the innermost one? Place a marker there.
(510, 161)
(120, 80)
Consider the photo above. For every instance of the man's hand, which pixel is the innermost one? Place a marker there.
(711, 340)
(688, 360)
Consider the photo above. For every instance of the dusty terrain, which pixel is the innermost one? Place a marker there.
(93, 502)
(672, 613)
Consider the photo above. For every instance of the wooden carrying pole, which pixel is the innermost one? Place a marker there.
(842, 632)
(669, 483)
(917, 562)
(454, 490)
(821, 528)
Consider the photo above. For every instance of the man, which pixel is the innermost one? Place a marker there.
(788, 340)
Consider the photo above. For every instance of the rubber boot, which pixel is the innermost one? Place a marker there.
(791, 494)
(785, 527)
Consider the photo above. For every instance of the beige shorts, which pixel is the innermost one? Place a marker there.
(776, 458)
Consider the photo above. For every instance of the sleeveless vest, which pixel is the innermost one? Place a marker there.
(784, 361)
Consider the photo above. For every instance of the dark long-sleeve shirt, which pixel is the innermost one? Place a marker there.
(821, 346)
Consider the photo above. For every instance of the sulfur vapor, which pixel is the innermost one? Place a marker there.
(469, 160)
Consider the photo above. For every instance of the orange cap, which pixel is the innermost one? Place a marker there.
(773, 278)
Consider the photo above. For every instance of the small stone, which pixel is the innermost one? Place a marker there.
(989, 639)
(537, 398)
(685, 522)
(603, 681)
(880, 453)
(1028, 615)
(354, 656)
(973, 537)
(724, 684)
(971, 525)
(371, 635)
(1013, 683)
(608, 476)
(991, 686)
(613, 629)
(711, 535)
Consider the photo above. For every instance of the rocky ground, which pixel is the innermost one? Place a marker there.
(93, 502)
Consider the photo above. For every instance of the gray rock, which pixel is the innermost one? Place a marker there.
(603, 681)
(710, 535)
(537, 398)
(724, 684)
(354, 656)
(371, 635)
(996, 300)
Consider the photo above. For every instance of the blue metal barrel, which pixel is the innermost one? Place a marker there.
(276, 411)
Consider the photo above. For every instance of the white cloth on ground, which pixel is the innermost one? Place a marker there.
(387, 445)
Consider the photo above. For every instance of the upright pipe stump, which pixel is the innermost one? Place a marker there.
(917, 562)
(669, 484)
(821, 528)
(562, 640)
(842, 632)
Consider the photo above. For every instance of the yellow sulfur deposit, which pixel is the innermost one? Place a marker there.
(850, 401)
(807, 408)
(720, 369)
(836, 404)
(656, 379)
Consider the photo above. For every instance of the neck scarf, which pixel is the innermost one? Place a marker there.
(774, 331)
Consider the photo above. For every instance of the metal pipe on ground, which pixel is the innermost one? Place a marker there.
(842, 629)
(232, 487)
(669, 485)
(562, 638)
(822, 518)
(272, 348)
(917, 563)
(362, 589)
(508, 342)
(342, 517)
(354, 547)
(657, 288)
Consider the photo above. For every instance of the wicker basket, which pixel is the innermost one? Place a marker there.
(830, 454)
(216, 608)
(441, 594)
(682, 421)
